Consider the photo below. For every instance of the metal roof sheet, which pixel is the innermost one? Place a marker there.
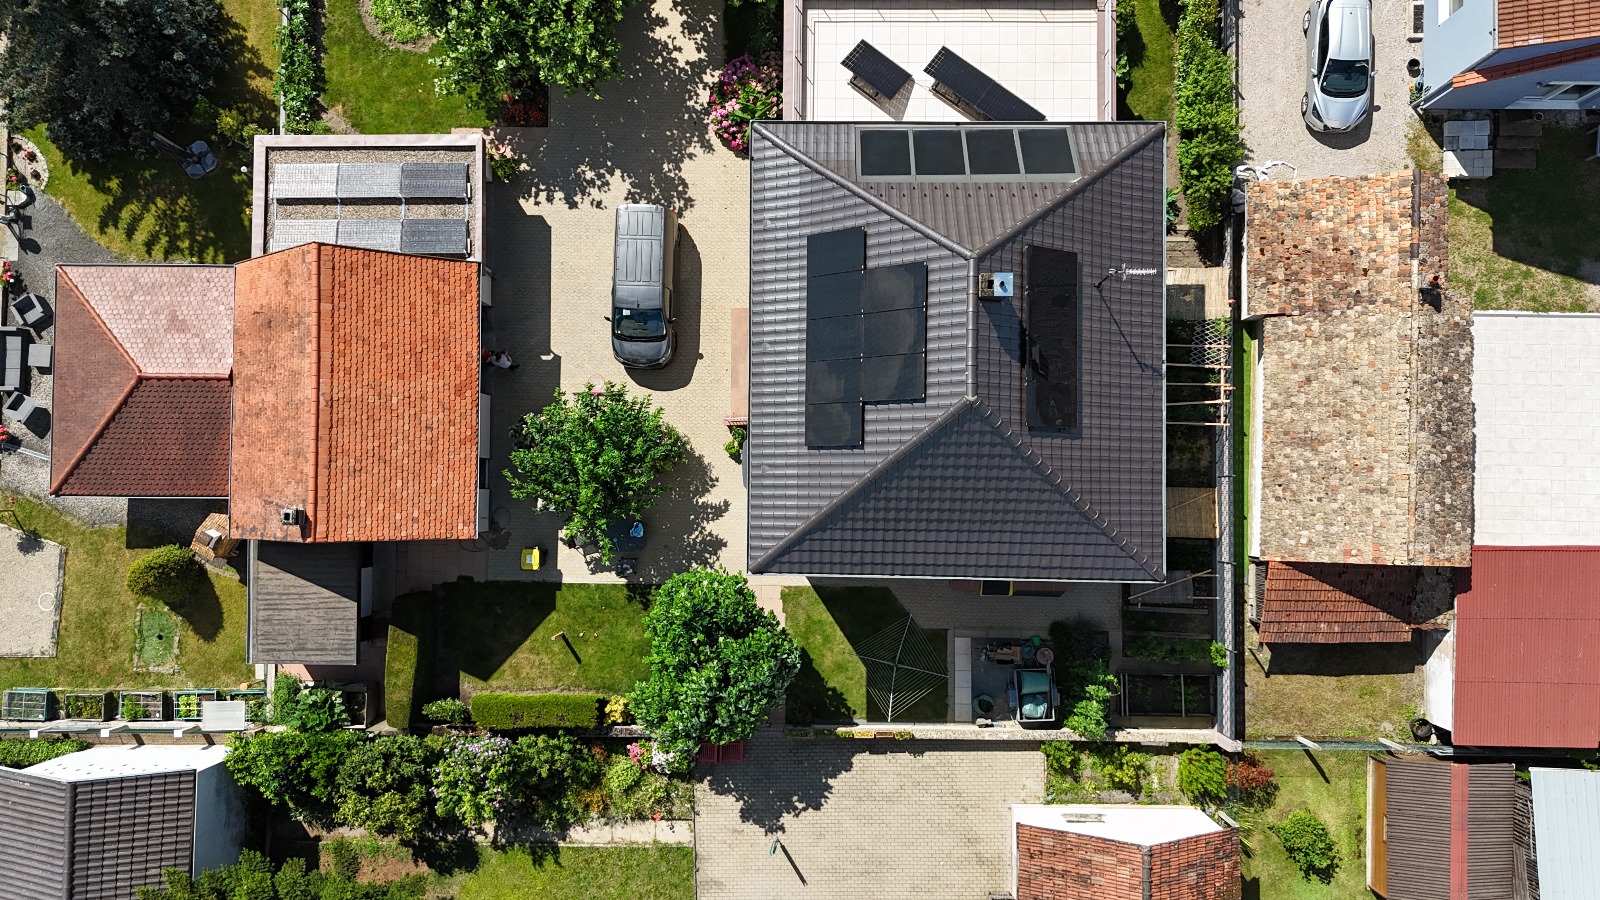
(1527, 643)
(1566, 825)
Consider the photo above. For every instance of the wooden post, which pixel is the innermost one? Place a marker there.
(1308, 743)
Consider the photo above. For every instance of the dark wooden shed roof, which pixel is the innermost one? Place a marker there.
(304, 603)
(1449, 829)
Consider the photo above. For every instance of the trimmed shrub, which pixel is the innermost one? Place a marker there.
(408, 661)
(169, 574)
(1208, 122)
(300, 79)
(24, 752)
(516, 712)
(448, 711)
(1202, 775)
(1309, 845)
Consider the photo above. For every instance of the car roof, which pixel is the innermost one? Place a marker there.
(1349, 29)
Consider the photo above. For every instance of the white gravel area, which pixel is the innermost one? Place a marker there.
(1273, 61)
(30, 593)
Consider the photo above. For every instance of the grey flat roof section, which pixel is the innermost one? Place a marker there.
(956, 484)
(1566, 828)
(304, 603)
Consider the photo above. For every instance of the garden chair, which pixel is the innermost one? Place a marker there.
(30, 310)
(19, 407)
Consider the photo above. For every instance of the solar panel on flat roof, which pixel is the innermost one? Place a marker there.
(894, 331)
(895, 287)
(1050, 281)
(992, 151)
(835, 338)
(294, 232)
(968, 85)
(832, 252)
(381, 180)
(835, 295)
(304, 181)
(938, 152)
(834, 424)
(875, 71)
(440, 237)
(373, 234)
(892, 378)
(884, 153)
(434, 179)
(1047, 151)
(833, 380)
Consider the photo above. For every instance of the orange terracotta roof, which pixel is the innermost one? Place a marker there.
(356, 396)
(1523, 22)
(1332, 603)
(1524, 66)
(143, 355)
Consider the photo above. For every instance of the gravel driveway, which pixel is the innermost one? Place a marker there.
(1273, 51)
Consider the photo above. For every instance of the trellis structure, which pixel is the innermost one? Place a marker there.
(901, 667)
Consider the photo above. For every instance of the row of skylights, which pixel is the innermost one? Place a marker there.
(966, 154)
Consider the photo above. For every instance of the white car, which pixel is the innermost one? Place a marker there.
(1338, 93)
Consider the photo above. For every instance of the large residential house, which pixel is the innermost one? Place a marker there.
(1510, 54)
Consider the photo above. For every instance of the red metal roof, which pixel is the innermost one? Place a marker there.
(1528, 648)
(1331, 603)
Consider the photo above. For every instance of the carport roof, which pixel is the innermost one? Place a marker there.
(959, 484)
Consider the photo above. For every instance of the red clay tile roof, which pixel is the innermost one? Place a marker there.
(1329, 603)
(1527, 642)
(1524, 66)
(123, 424)
(1546, 21)
(355, 396)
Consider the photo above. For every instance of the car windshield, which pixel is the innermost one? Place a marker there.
(638, 324)
(1345, 78)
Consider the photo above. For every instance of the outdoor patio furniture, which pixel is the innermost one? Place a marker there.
(12, 342)
(19, 407)
(41, 356)
(30, 309)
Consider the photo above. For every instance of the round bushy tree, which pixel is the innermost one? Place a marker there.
(169, 574)
(1202, 775)
(383, 786)
(293, 769)
(103, 74)
(718, 662)
(1309, 845)
(596, 457)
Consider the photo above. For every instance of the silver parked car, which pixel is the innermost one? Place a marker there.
(641, 286)
(1338, 64)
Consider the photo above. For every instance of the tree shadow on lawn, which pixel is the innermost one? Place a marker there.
(812, 699)
(477, 633)
(645, 124)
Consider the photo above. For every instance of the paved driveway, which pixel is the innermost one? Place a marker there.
(1272, 59)
(550, 241)
(882, 819)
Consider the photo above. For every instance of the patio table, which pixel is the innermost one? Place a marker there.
(12, 342)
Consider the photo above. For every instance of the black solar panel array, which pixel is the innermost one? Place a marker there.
(967, 85)
(1050, 279)
(875, 72)
(866, 336)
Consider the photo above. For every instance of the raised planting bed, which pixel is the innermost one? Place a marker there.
(186, 704)
(355, 703)
(136, 706)
(1167, 695)
(26, 705)
(255, 703)
(94, 706)
(1184, 621)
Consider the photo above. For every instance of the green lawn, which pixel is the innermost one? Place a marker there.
(1340, 800)
(1523, 239)
(95, 646)
(1150, 58)
(502, 636)
(578, 873)
(380, 90)
(1363, 691)
(148, 208)
(832, 684)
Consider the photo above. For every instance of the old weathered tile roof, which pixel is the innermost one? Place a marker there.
(142, 380)
(356, 396)
(1332, 603)
(958, 484)
(1522, 22)
(1366, 435)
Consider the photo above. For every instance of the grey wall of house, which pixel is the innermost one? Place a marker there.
(220, 825)
(1454, 45)
(1501, 93)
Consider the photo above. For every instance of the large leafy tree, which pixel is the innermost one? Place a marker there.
(718, 662)
(383, 786)
(596, 457)
(488, 48)
(103, 74)
(293, 769)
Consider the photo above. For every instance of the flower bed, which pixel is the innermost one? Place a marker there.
(186, 704)
(85, 705)
(745, 92)
(255, 703)
(135, 706)
(29, 163)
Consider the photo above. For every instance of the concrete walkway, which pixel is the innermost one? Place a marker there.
(861, 818)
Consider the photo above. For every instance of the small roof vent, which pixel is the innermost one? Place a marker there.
(291, 515)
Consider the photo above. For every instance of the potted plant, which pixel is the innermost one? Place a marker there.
(186, 704)
(137, 706)
(89, 705)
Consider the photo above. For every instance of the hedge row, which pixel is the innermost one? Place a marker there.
(20, 753)
(514, 712)
(408, 662)
(1208, 122)
(300, 78)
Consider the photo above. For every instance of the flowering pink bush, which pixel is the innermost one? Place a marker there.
(746, 91)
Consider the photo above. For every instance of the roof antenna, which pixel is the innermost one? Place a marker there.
(1124, 270)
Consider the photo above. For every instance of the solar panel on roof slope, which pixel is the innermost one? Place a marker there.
(833, 424)
(832, 252)
(894, 331)
(1051, 311)
(992, 151)
(895, 287)
(969, 84)
(884, 153)
(1047, 151)
(833, 380)
(938, 152)
(835, 338)
(834, 295)
(887, 379)
(876, 71)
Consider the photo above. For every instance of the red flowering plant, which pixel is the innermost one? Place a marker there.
(746, 91)
(7, 273)
(1252, 781)
(526, 106)
(12, 181)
